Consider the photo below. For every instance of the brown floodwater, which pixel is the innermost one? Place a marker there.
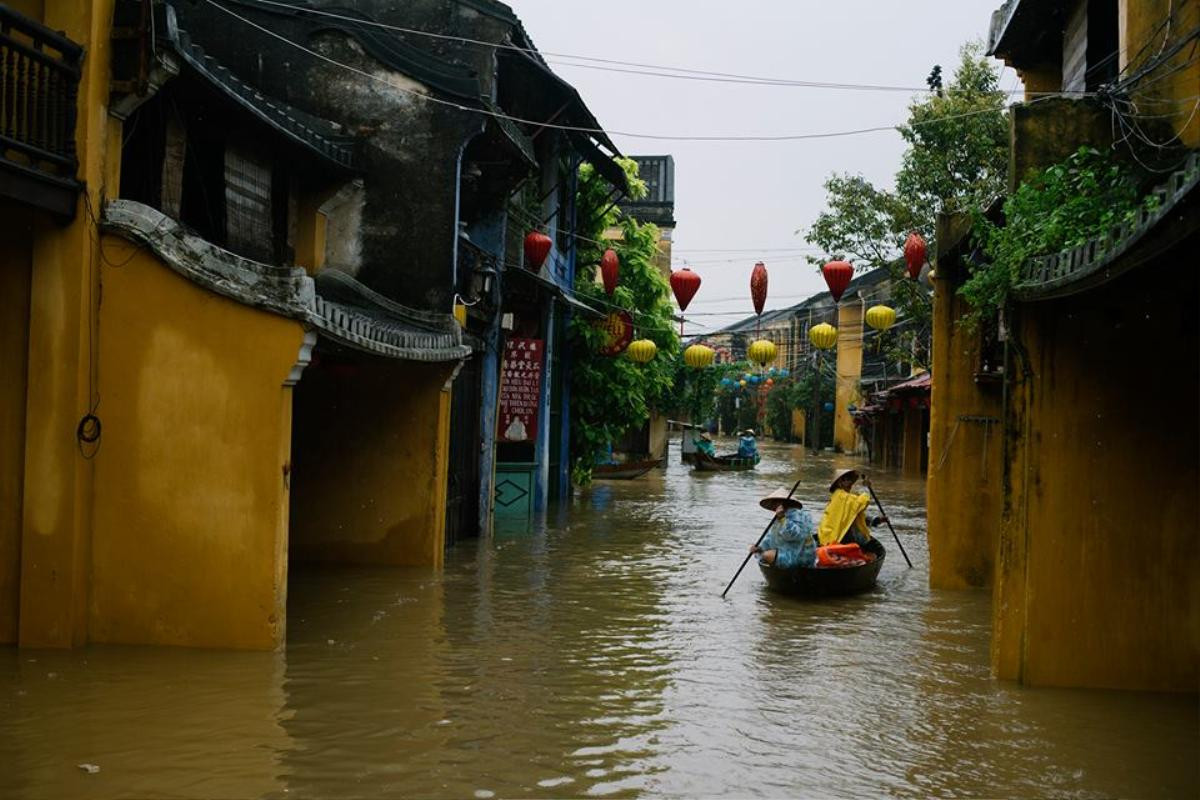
(592, 655)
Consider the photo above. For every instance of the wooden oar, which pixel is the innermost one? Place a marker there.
(756, 544)
(889, 524)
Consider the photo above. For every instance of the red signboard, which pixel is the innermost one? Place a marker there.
(520, 389)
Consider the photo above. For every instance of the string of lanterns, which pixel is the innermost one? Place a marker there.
(685, 283)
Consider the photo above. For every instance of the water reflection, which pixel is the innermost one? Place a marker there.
(591, 655)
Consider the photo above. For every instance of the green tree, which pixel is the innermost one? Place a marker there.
(957, 158)
(612, 394)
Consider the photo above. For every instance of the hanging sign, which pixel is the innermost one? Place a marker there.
(618, 330)
(520, 389)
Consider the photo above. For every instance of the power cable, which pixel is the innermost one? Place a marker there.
(619, 66)
(600, 131)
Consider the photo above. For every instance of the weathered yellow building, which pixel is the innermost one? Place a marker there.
(1069, 431)
(167, 278)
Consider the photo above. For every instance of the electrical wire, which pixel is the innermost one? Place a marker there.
(619, 66)
(793, 137)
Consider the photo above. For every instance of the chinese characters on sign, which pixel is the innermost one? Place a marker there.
(520, 388)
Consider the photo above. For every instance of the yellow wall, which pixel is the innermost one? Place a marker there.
(849, 373)
(365, 436)
(964, 491)
(56, 506)
(190, 521)
(1098, 585)
(1174, 95)
(15, 265)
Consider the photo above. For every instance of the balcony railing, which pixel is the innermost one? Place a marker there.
(39, 79)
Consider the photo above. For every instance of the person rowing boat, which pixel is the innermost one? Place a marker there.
(845, 519)
(789, 541)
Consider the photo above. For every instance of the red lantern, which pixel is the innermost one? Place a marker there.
(610, 267)
(914, 254)
(758, 286)
(837, 276)
(770, 381)
(537, 247)
(685, 284)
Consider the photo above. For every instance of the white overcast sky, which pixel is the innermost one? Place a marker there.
(756, 195)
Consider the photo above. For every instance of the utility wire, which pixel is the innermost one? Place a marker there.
(792, 137)
(632, 67)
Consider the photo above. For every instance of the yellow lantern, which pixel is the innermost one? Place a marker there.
(698, 356)
(823, 336)
(881, 317)
(642, 350)
(762, 352)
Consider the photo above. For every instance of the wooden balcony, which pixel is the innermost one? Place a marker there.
(39, 78)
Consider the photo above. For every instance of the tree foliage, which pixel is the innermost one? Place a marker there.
(1061, 207)
(957, 157)
(612, 394)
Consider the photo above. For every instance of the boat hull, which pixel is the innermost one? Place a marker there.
(704, 463)
(623, 472)
(826, 581)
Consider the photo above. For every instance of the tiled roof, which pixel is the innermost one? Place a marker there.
(315, 135)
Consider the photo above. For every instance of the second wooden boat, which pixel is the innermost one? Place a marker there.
(733, 463)
(624, 472)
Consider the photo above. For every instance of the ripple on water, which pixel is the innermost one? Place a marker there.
(593, 656)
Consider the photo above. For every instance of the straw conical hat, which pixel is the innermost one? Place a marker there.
(777, 496)
(841, 473)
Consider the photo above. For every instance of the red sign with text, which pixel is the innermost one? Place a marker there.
(520, 389)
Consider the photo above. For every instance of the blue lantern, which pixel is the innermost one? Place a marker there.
(828, 407)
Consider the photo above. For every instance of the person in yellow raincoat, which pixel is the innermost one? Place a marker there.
(845, 519)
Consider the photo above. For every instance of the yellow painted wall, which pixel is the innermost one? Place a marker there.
(190, 520)
(1102, 587)
(1172, 94)
(364, 438)
(16, 254)
(56, 508)
(798, 421)
(849, 373)
(964, 490)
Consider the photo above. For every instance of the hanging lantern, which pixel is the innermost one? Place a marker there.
(610, 268)
(537, 247)
(837, 276)
(914, 254)
(642, 350)
(758, 286)
(762, 352)
(828, 406)
(742, 384)
(698, 356)
(685, 284)
(881, 317)
(770, 381)
(823, 336)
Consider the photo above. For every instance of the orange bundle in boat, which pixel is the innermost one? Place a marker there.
(841, 555)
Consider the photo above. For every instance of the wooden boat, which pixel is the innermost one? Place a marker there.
(826, 581)
(624, 472)
(731, 463)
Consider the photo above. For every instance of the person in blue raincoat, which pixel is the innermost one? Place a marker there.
(747, 445)
(789, 541)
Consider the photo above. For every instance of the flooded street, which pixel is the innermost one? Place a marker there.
(594, 656)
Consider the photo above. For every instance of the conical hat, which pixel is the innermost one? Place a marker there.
(841, 473)
(778, 495)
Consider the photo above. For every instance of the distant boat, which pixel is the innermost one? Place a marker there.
(826, 581)
(624, 472)
(732, 463)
